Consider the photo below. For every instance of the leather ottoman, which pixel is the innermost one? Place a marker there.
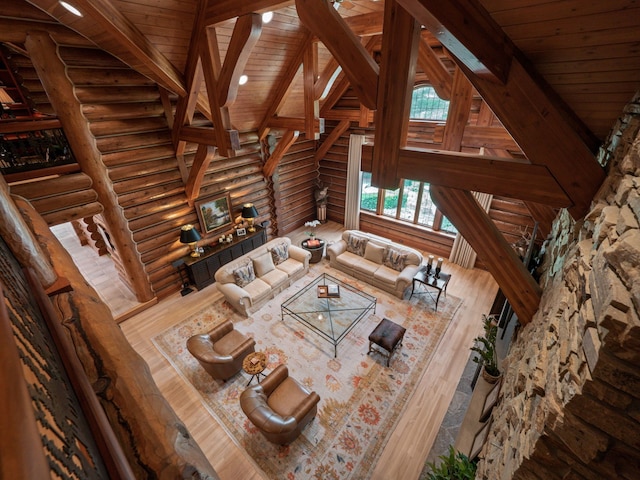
(388, 336)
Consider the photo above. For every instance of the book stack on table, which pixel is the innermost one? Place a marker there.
(313, 243)
(328, 291)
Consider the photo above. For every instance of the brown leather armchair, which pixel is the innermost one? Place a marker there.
(279, 406)
(221, 351)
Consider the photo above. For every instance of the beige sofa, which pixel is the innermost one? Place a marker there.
(376, 260)
(250, 280)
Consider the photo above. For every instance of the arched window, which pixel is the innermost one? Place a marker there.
(427, 105)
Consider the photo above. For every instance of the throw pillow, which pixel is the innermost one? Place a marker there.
(279, 253)
(356, 245)
(395, 259)
(375, 253)
(263, 264)
(244, 275)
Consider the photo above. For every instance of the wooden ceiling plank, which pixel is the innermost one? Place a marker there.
(283, 145)
(101, 19)
(222, 10)
(439, 77)
(323, 20)
(478, 229)
(245, 36)
(284, 85)
(466, 29)
(204, 156)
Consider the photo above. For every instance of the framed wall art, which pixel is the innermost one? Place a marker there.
(214, 212)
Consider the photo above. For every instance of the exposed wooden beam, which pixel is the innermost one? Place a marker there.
(210, 56)
(480, 232)
(295, 123)
(335, 134)
(366, 25)
(348, 114)
(323, 20)
(399, 56)
(221, 10)
(245, 35)
(311, 104)
(284, 85)
(438, 75)
(343, 83)
(458, 113)
(207, 136)
(466, 29)
(480, 173)
(545, 129)
(288, 139)
(544, 135)
(204, 155)
(108, 28)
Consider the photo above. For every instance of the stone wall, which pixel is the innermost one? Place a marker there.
(570, 401)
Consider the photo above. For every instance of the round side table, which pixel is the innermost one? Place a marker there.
(316, 251)
(254, 364)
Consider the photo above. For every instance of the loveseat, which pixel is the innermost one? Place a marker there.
(250, 280)
(376, 260)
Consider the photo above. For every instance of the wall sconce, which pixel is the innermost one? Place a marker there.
(188, 234)
(249, 213)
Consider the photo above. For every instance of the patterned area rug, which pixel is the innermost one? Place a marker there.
(360, 398)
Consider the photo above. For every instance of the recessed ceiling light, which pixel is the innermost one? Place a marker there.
(71, 8)
(267, 17)
(243, 79)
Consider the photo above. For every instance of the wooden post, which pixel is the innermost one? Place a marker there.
(52, 72)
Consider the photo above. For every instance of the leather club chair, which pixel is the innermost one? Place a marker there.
(279, 406)
(221, 351)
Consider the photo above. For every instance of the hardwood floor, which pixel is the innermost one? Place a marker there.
(410, 442)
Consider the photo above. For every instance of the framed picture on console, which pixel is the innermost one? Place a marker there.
(214, 213)
(241, 232)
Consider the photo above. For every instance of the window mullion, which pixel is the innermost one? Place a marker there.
(416, 213)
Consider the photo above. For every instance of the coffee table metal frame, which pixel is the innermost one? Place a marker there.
(332, 318)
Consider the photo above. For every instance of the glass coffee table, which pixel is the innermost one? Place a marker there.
(331, 317)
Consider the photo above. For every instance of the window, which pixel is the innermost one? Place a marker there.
(427, 105)
(410, 203)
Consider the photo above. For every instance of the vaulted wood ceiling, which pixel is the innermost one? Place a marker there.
(557, 74)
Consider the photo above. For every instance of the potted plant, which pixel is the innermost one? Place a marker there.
(454, 466)
(485, 347)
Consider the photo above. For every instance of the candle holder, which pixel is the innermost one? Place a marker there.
(437, 275)
(428, 270)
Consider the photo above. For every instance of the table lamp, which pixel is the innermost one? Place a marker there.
(249, 213)
(188, 234)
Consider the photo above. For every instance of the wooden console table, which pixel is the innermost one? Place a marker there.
(202, 269)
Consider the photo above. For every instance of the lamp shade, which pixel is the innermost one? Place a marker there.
(188, 234)
(249, 211)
